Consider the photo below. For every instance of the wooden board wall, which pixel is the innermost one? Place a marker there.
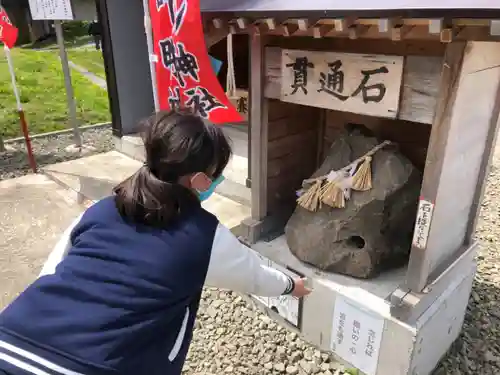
(422, 71)
(300, 136)
(412, 138)
(293, 149)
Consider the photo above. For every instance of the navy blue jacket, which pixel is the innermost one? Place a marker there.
(123, 300)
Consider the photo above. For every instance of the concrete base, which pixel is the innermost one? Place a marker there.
(352, 318)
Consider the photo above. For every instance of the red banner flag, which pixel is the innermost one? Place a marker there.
(8, 32)
(183, 69)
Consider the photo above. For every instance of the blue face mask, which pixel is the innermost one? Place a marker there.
(204, 195)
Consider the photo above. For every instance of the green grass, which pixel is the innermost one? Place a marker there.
(89, 59)
(41, 83)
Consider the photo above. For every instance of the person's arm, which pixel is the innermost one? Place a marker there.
(59, 251)
(236, 267)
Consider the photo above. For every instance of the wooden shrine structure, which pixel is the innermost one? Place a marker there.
(441, 79)
(423, 74)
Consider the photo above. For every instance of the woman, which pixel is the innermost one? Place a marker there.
(120, 292)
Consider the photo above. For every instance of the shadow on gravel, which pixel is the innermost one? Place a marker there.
(477, 350)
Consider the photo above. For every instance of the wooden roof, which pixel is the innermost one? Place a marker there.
(443, 20)
(415, 8)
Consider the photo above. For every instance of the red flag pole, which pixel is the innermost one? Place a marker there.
(20, 111)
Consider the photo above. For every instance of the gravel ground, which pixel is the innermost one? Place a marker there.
(233, 338)
(477, 351)
(50, 150)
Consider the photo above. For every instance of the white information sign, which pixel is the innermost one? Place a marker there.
(423, 224)
(59, 10)
(286, 306)
(349, 82)
(356, 335)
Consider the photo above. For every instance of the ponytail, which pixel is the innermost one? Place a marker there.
(177, 143)
(144, 199)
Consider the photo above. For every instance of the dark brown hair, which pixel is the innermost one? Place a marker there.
(177, 143)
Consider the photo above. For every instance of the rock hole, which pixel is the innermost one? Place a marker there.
(356, 241)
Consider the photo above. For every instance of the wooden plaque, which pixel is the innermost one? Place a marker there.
(358, 83)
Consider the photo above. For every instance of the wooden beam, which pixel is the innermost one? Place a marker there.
(398, 32)
(219, 23)
(289, 29)
(258, 131)
(215, 31)
(303, 24)
(321, 30)
(447, 32)
(342, 24)
(258, 27)
(242, 23)
(397, 28)
(385, 25)
(419, 265)
(436, 26)
(355, 31)
(233, 29)
(447, 35)
(461, 136)
(271, 23)
(215, 36)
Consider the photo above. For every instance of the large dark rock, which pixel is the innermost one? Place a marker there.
(374, 231)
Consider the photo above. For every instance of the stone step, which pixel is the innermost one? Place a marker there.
(93, 178)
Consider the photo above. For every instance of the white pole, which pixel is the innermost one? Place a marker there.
(13, 78)
(20, 112)
(152, 58)
(70, 95)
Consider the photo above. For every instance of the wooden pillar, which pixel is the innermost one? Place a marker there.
(248, 181)
(463, 133)
(258, 121)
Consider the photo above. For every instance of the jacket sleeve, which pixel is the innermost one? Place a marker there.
(60, 250)
(236, 267)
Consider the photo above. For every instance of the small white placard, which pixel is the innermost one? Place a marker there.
(286, 306)
(423, 224)
(51, 10)
(263, 300)
(356, 335)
